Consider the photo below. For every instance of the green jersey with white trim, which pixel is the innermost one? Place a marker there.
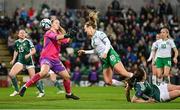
(145, 90)
(23, 47)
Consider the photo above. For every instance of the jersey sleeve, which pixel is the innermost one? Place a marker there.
(140, 91)
(172, 43)
(31, 44)
(154, 45)
(106, 41)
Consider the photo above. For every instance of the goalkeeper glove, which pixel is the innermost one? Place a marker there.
(68, 36)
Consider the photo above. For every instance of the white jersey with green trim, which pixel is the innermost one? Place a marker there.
(164, 47)
(100, 43)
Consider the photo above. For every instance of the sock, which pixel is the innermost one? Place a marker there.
(167, 79)
(117, 83)
(15, 84)
(154, 79)
(39, 86)
(57, 84)
(159, 81)
(67, 86)
(33, 80)
(42, 84)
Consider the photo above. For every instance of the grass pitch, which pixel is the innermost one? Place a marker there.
(91, 98)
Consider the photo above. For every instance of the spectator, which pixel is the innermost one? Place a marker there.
(3, 69)
(76, 78)
(93, 76)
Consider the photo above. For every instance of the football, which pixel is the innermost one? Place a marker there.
(45, 24)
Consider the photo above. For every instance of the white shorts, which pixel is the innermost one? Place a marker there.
(26, 66)
(164, 94)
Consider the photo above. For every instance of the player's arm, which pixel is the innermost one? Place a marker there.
(71, 33)
(64, 41)
(14, 57)
(175, 55)
(80, 52)
(153, 52)
(140, 100)
(175, 51)
(32, 52)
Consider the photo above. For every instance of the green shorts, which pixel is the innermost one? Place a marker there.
(162, 62)
(112, 59)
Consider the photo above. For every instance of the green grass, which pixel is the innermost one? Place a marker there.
(91, 98)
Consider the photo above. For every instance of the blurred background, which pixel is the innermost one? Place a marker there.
(131, 26)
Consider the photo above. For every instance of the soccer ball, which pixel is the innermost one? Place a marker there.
(45, 24)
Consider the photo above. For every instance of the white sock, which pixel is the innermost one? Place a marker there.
(117, 83)
(154, 79)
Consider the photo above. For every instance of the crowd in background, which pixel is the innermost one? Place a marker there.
(131, 34)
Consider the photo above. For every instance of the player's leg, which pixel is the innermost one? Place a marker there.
(39, 85)
(67, 85)
(119, 68)
(174, 94)
(56, 82)
(167, 67)
(114, 61)
(159, 65)
(154, 74)
(12, 74)
(44, 71)
(159, 75)
(166, 74)
(172, 87)
(107, 74)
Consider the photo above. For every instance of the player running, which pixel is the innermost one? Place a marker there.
(24, 49)
(50, 59)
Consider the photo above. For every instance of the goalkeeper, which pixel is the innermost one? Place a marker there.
(50, 59)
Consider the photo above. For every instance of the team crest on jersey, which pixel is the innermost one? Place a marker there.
(112, 57)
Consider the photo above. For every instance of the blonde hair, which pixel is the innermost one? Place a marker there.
(167, 31)
(92, 19)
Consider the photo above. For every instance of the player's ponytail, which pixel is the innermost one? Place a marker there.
(137, 77)
(130, 83)
(128, 88)
(92, 19)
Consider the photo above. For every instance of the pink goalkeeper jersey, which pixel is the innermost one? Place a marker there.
(51, 48)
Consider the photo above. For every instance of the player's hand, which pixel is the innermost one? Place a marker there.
(80, 52)
(71, 32)
(104, 55)
(12, 62)
(153, 62)
(27, 56)
(151, 100)
(175, 60)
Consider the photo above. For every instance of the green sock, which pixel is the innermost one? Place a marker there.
(40, 87)
(57, 84)
(15, 84)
